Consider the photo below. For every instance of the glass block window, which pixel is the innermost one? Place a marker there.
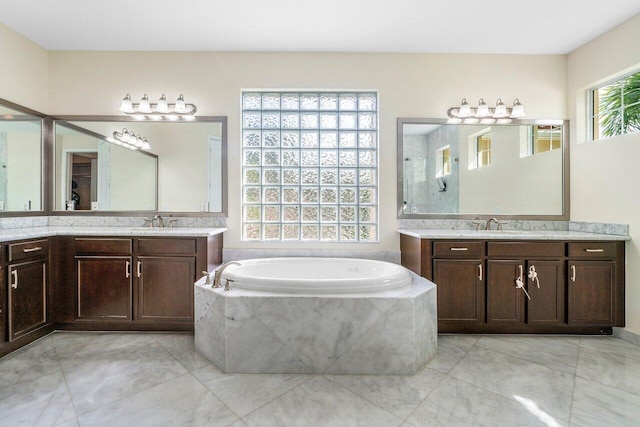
(309, 166)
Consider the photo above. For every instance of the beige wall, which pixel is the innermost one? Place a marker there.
(605, 174)
(23, 71)
(418, 85)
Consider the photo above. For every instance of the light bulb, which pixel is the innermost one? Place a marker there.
(483, 109)
(125, 135)
(125, 105)
(465, 109)
(517, 112)
(145, 106)
(180, 107)
(501, 110)
(163, 106)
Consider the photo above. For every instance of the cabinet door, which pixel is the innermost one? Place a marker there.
(505, 302)
(27, 297)
(591, 297)
(546, 306)
(460, 289)
(165, 287)
(104, 288)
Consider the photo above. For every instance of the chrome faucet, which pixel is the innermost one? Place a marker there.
(206, 274)
(218, 273)
(160, 221)
(489, 221)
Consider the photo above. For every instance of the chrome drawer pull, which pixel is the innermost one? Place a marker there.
(458, 249)
(127, 270)
(594, 250)
(480, 272)
(139, 268)
(26, 251)
(14, 273)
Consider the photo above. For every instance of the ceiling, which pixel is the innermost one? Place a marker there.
(456, 26)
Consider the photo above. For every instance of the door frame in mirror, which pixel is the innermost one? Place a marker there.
(83, 118)
(401, 121)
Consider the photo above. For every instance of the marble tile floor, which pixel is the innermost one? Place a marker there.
(154, 379)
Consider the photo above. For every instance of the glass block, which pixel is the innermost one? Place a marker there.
(290, 121)
(251, 213)
(271, 195)
(290, 101)
(366, 158)
(270, 158)
(271, 214)
(271, 120)
(309, 176)
(271, 232)
(271, 176)
(309, 139)
(291, 214)
(347, 177)
(328, 121)
(251, 139)
(290, 158)
(328, 101)
(328, 214)
(347, 158)
(347, 213)
(366, 139)
(252, 232)
(270, 101)
(309, 214)
(309, 157)
(328, 158)
(310, 232)
(309, 195)
(367, 102)
(290, 195)
(328, 195)
(308, 102)
(252, 176)
(347, 195)
(290, 232)
(252, 195)
(309, 120)
(368, 233)
(347, 139)
(366, 121)
(367, 177)
(329, 176)
(251, 101)
(347, 232)
(367, 196)
(329, 232)
(290, 176)
(367, 214)
(270, 139)
(328, 140)
(251, 120)
(348, 102)
(290, 139)
(251, 158)
(347, 120)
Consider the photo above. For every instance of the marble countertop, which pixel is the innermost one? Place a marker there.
(510, 235)
(35, 232)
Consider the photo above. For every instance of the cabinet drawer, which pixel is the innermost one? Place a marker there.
(592, 250)
(26, 250)
(458, 249)
(167, 246)
(103, 246)
(525, 249)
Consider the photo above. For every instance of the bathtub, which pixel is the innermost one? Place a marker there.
(317, 315)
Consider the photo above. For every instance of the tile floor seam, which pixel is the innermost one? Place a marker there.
(428, 394)
(217, 397)
(66, 384)
(604, 384)
(575, 377)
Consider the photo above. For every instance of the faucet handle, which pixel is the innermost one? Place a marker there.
(478, 224)
(208, 277)
(171, 221)
(148, 221)
(227, 286)
(500, 224)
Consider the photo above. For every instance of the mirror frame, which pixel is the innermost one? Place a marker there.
(45, 135)
(68, 118)
(401, 121)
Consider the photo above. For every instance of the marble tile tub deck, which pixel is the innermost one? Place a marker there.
(152, 379)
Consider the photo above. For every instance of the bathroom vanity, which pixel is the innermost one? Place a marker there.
(521, 282)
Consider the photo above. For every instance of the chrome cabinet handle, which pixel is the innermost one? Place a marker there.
(26, 251)
(458, 249)
(480, 272)
(14, 273)
(127, 270)
(139, 268)
(521, 271)
(594, 250)
(573, 273)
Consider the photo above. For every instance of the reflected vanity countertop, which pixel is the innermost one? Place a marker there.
(36, 232)
(510, 235)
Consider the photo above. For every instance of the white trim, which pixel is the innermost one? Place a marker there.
(627, 335)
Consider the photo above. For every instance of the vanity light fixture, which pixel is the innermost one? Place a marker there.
(129, 140)
(467, 114)
(162, 108)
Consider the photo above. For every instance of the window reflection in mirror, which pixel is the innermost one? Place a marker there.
(20, 161)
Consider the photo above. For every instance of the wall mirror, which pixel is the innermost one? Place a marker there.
(182, 171)
(21, 153)
(517, 171)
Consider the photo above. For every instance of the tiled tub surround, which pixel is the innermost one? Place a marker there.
(388, 332)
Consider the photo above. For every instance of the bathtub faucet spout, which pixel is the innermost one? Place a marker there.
(218, 273)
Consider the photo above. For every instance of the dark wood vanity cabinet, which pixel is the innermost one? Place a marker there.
(104, 287)
(581, 284)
